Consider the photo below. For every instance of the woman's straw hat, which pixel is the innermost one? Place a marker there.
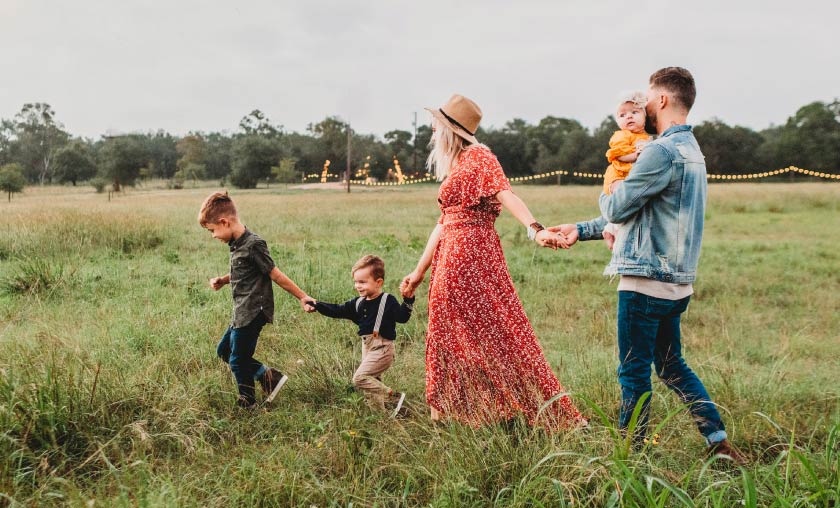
(461, 115)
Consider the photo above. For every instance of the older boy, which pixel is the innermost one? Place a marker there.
(251, 271)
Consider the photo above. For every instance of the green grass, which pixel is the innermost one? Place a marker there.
(111, 395)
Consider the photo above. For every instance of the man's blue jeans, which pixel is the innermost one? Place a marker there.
(649, 332)
(237, 349)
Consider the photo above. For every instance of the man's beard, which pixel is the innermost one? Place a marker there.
(650, 124)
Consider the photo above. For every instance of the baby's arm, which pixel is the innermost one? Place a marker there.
(218, 283)
(629, 157)
(282, 280)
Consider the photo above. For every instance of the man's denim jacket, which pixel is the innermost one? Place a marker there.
(661, 205)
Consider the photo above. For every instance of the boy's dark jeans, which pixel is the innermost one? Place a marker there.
(649, 332)
(237, 349)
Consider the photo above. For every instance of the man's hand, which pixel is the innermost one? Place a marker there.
(570, 231)
(551, 239)
(218, 283)
(609, 239)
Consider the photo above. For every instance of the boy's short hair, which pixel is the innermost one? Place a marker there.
(215, 207)
(679, 82)
(375, 263)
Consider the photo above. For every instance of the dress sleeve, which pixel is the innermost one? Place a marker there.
(483, 176)
(620, 145)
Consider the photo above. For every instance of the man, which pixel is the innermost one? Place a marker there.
(661, 207)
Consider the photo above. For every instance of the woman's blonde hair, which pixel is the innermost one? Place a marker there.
(445, 146)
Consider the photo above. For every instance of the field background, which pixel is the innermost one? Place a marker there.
(111, 395)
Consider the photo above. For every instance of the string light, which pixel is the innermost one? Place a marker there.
(581, 174)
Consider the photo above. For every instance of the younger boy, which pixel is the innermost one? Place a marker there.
(251, 273)
(376, 313)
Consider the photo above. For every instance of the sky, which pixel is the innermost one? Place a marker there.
(184, 65)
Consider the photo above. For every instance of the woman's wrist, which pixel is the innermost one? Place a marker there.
(534, 228)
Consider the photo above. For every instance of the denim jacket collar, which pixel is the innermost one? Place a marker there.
(675, 128)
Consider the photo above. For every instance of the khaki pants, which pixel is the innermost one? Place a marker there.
(377, 357)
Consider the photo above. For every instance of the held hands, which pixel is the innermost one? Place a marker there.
(409, 284)
(308, 303)
(552, 239)
(569, 231)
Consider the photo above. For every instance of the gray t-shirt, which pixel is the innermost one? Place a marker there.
(250, 264)
(655, 288)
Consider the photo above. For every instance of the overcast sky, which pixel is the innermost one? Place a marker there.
(129, 65)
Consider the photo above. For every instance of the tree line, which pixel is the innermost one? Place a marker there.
(35, 148)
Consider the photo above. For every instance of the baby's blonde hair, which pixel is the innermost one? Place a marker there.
(639, 99)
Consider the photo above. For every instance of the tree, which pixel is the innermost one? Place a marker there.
(38, 138)
(285, 172)
(121, 160)
(74, 162)
(161, 153)
(811, 138)
(192, 149)
(510, 145)
(218, 149)
(728, 150)
(331, 136)
(399, 143)
(12, 179)
(253, 157)
(256, 123)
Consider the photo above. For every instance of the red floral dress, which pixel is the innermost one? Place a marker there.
(483, 361)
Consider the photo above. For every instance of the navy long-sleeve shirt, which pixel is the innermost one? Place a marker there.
(365, 318)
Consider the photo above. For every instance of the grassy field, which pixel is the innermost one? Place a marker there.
(111, 395)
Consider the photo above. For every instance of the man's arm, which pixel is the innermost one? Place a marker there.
(591, 229)
(650, 175)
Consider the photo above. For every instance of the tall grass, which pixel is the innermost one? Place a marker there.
(110, 394)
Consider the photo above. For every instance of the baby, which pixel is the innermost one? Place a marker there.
(625, 146)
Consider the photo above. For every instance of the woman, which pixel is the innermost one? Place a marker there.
(483, 361)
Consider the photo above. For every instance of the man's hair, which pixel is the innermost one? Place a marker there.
(217, 205)
(375, 263)
(679, 82)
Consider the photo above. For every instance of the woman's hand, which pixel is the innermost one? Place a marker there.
(546, 238)
(410, 282)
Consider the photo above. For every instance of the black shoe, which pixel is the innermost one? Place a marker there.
(271, 382)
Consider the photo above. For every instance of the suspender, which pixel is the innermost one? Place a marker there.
(379, 314)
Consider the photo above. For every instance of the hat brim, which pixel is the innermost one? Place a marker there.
(456, 129)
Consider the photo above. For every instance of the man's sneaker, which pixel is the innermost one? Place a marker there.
(726, 449)
(271, 383)
(397, 399)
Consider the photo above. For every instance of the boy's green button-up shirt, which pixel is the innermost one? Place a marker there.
(250, 264)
